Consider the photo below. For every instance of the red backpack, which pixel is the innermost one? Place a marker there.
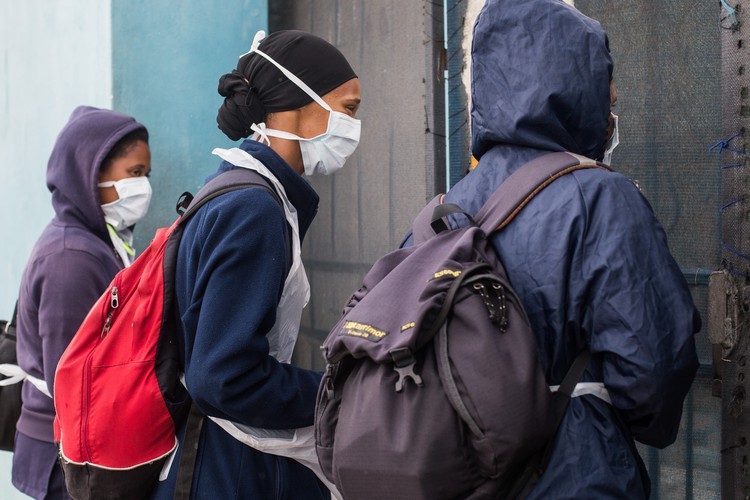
(117, 393)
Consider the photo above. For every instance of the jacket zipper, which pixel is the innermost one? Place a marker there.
(114, 303)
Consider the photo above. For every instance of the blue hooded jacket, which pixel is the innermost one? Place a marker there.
(587, 255)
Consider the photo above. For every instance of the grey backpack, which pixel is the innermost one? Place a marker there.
(433, 389)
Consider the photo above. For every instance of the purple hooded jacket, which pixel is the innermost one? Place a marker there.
(73, 260)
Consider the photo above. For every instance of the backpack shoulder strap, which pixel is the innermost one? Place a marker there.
(421, 228)
(520, 188)
(231, 180)
(12, 322)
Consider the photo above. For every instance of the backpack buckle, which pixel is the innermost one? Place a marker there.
(183, 202)
(403, 364)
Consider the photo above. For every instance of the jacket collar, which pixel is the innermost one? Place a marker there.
(298, 190)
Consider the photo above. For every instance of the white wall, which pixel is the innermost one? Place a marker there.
(54, 55)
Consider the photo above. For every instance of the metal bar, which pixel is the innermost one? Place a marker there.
(735, 469)
(696, 275)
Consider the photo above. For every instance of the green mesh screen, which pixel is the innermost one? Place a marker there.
(668, 65)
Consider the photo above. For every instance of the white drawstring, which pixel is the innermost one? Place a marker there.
(260, 129)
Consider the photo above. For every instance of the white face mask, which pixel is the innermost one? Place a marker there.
(326, 153)
(131, 206)
(613, 141)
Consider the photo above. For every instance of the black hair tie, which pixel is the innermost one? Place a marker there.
(241, 108)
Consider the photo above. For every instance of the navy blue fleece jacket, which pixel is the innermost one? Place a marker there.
(231, 268)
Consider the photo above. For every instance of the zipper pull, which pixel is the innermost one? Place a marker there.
(114, 303)
(107, 325)
(500, 294)
(495, 304)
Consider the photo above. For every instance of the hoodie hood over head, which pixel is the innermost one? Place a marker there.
(73, 168)
(527, 89)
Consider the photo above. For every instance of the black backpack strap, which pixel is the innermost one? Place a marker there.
(231, 180)
(527, 477)
(189, 453)
(420, 229)
(518, 190)
(10, 327)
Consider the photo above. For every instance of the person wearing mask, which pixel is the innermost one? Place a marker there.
(98, 176)
(587, 256)
(240, 285)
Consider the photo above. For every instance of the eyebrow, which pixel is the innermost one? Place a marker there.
(141, 166)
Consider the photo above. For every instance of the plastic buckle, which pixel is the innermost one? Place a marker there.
(403, 364)
(183, 202)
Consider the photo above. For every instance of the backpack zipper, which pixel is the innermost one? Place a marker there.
(114, 303)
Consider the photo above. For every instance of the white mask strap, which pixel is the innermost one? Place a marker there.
(302, 85)
(263, 133)
(260, 129)
(259, 36)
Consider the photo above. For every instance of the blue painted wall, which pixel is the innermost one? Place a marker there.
(53, 57)
(167, 60)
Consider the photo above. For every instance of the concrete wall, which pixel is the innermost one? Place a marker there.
(367, 208)
(53, 57)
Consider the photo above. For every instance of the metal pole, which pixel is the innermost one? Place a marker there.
(729, 290)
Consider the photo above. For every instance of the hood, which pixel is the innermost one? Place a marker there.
(73, 168)
(540, 78)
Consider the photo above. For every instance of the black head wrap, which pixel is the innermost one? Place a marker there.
(257, 87)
